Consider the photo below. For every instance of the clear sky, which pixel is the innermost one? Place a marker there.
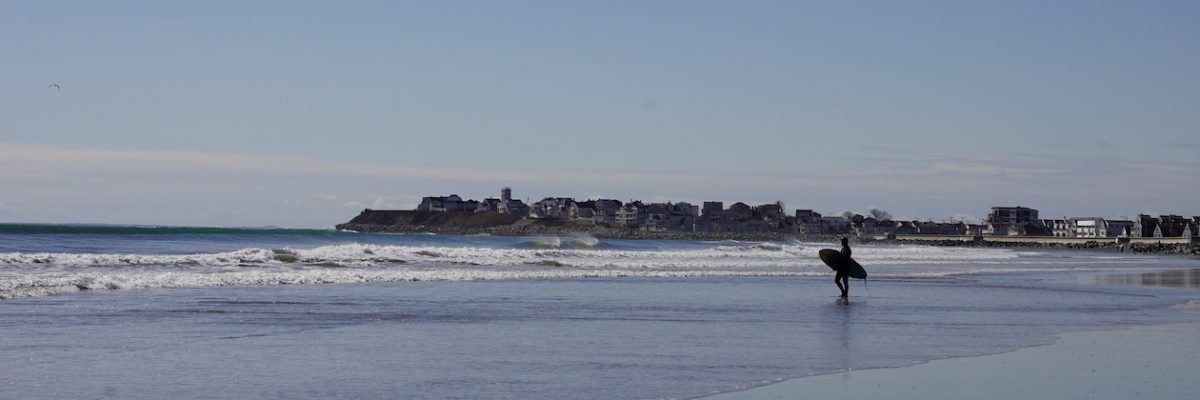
(300, 114)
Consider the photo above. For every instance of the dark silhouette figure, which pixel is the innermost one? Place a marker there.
(842, 277)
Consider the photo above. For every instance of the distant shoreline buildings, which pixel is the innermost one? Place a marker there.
(714, 217)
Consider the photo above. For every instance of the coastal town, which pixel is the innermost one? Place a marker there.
(714, 217)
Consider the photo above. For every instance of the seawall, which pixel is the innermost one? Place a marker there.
(1168, 245)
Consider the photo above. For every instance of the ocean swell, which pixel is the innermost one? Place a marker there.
(40, 274)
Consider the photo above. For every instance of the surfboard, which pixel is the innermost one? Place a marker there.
(836, 261)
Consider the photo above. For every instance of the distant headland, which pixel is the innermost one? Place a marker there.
(610, 218)
(602, 218)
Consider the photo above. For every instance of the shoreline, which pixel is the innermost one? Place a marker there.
(1143, 361)
(1095, 362)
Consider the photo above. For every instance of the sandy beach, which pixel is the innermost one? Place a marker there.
(1144, 362)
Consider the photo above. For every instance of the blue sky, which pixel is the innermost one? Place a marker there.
(302, 113)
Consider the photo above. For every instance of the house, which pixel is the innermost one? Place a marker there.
(975, 229)
(823, 225)
(1015, 221)
(834, 224)
(871, 226)
(1058, 227)
(1172, 225)
(508, 205)
(809, 222)
(807, 215)
(1013, 215)
(488, 205)
(1145, 226)
(770, 212)
(812, 227)
(1000, 229)
(551, 208)
(631, 214)
(687, 209)
(1008, 229)
(739, 211)
(430, 204)
(1035, 228)
(448, 203)
(1119, 228)
(857, 221)
(656, 216)
(583, 211)
(860, 224)
(605, 211)
(713, 210)
(1088, 227)
(941, 228)
(906, 228)
(516, 207)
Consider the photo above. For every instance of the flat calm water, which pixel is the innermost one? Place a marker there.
(320, 314)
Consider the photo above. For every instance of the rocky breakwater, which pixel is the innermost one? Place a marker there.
(396, 221)
(1110, 245)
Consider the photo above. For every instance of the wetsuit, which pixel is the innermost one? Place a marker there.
(842, 277)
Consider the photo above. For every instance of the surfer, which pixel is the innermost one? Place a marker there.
(842, 276)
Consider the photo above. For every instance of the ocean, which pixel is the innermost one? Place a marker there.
(198, 313)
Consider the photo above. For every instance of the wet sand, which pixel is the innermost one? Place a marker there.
(1158, 362)
(1184, 279)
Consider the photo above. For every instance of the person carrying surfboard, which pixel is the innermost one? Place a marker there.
(844, 267)
(842, 275)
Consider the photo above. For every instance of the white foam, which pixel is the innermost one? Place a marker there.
(39, 274)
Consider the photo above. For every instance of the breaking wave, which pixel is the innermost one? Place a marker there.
(40, 274)
(573, 242)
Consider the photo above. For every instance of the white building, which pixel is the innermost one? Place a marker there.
(1059, 227)
(1088, 227)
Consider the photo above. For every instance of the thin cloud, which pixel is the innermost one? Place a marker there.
(64, 164)
(73, 184)
(149, 168)
(1100, 144)
(53, 163)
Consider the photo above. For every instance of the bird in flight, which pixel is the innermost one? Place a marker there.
(54, 85)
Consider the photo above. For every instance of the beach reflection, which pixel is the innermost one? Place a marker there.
(1184, 278)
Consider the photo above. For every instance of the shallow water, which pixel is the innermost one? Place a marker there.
(619, 319)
